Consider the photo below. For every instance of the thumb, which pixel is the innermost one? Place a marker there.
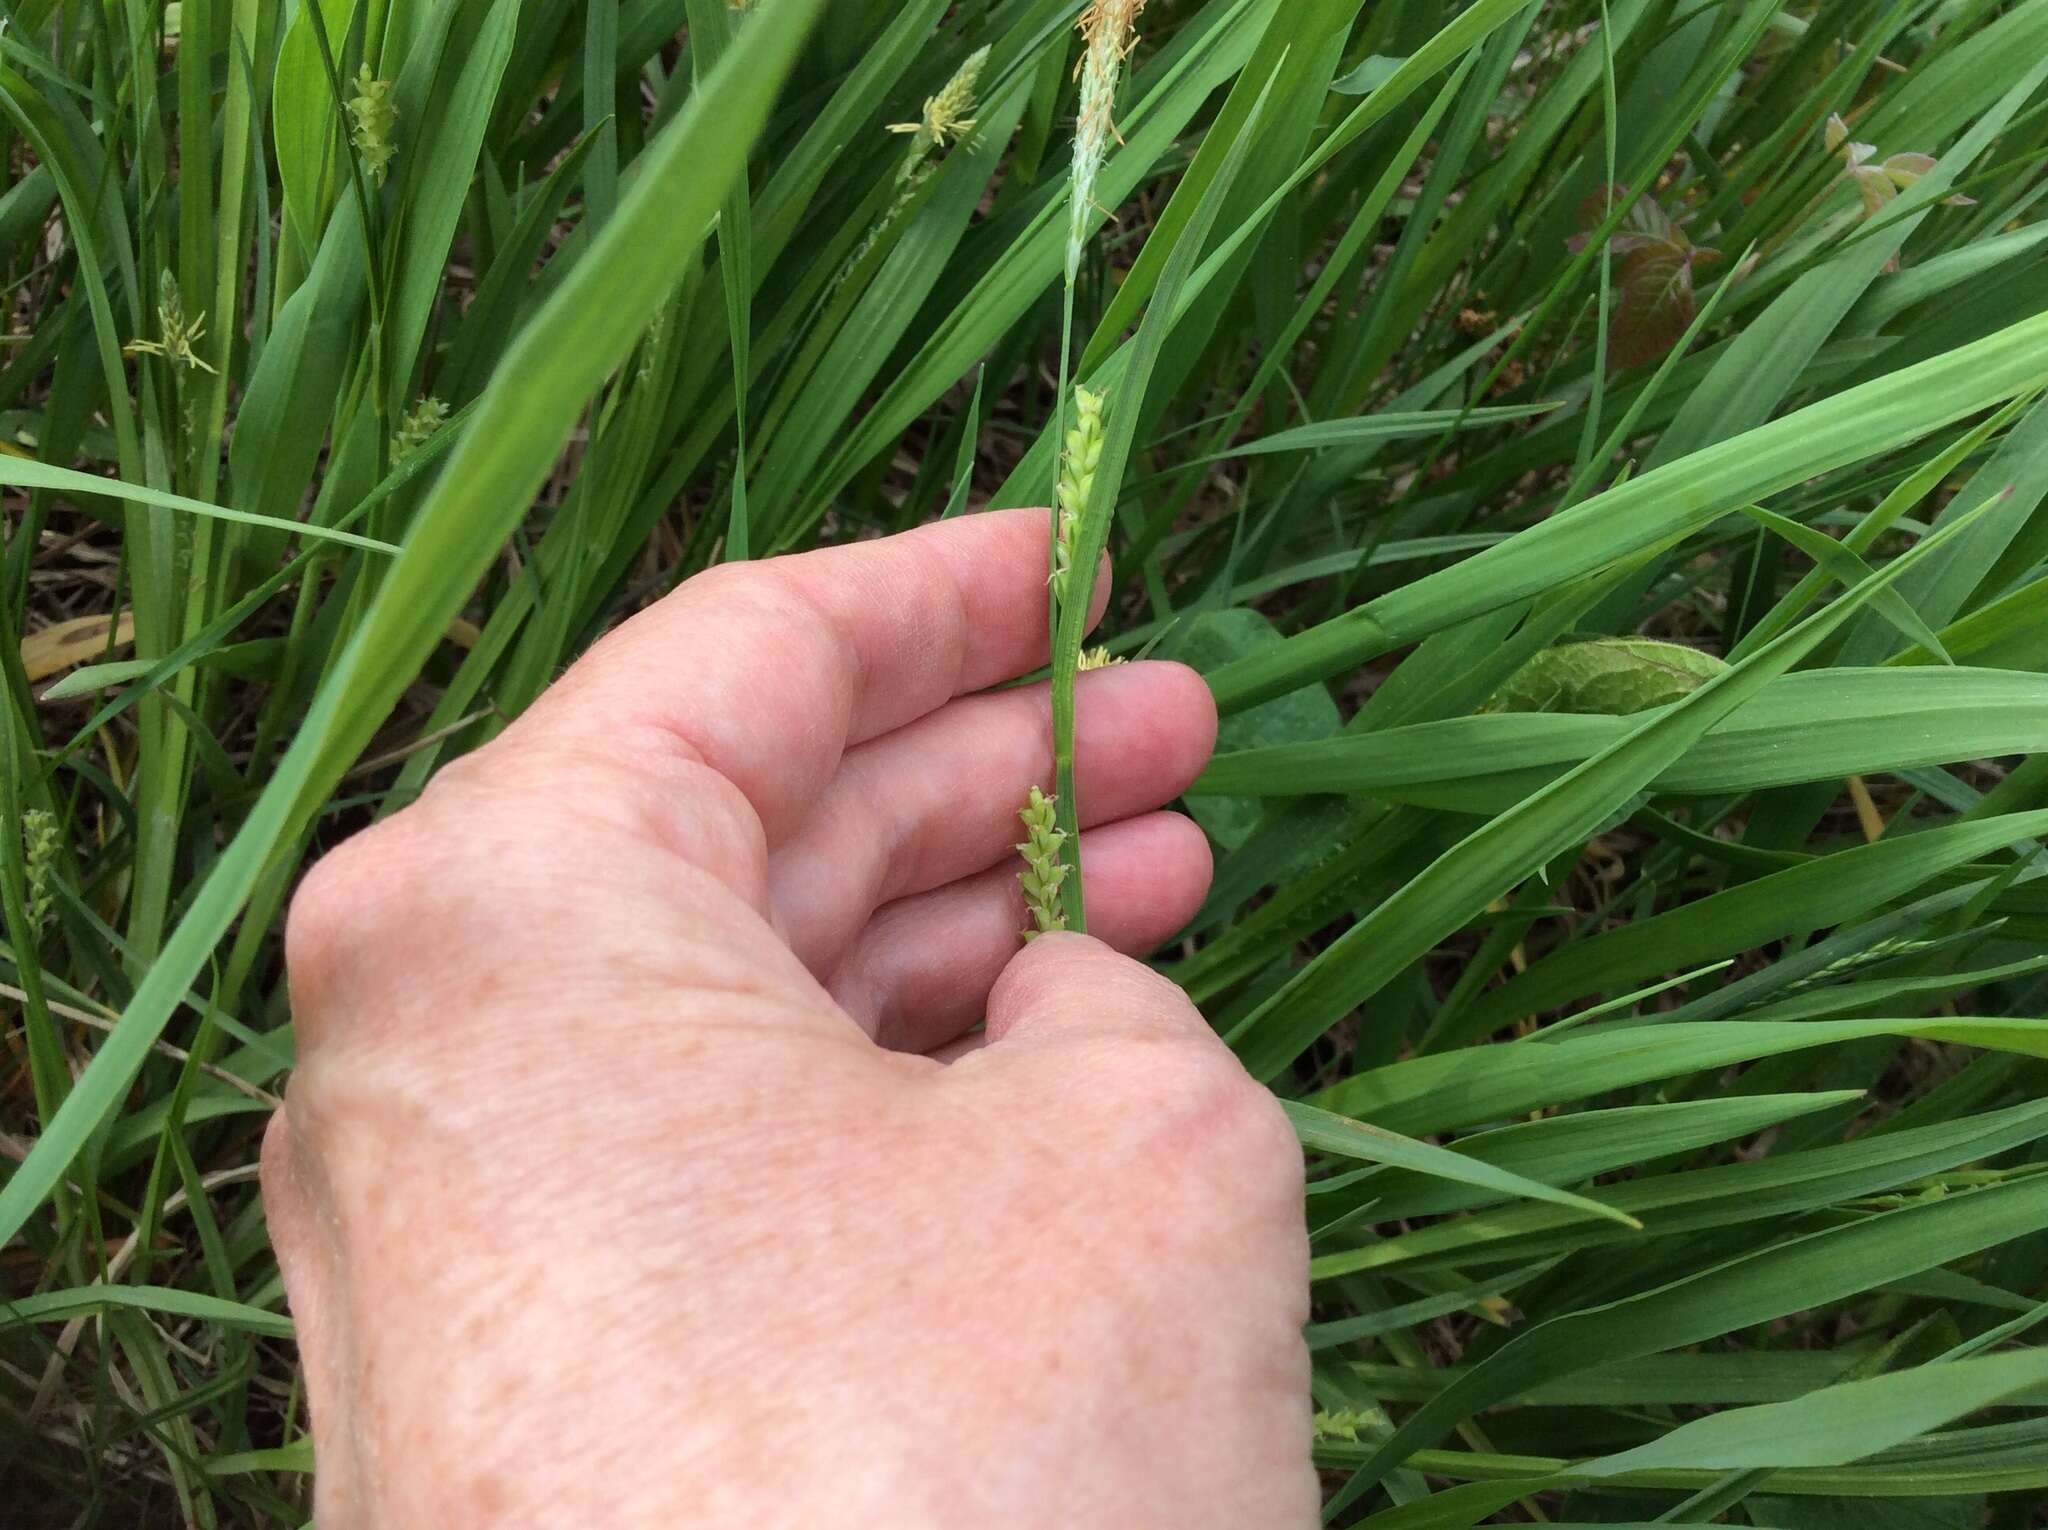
(1086, 1038)
(1063, 985)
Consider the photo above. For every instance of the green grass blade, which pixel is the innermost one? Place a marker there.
(1321, 1131)
(28, 474)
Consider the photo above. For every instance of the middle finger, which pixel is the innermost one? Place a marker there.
(937, 800)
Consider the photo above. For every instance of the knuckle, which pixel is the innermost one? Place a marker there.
(1267, 1149)
(723, 578)
(346, 911)
(778, 595)
(468, 771)
(284, 1199)
(1216, 1123)
(321, 926)
(742, 587)
(274, 1163)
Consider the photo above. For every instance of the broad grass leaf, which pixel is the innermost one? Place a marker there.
(1570, 1149)
(1769, 1192)
(1838, 1424)
(1791, 1276)
(1444, 1091)
(1323, 1132)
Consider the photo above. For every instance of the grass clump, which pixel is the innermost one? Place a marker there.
(1605, 494)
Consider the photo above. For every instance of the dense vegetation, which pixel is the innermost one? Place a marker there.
(1596, 449)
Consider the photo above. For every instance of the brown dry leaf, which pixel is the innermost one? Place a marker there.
(82, 640)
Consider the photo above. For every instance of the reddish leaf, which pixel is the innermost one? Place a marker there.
(1593, 209)
(1653, 302)
(1654, 299)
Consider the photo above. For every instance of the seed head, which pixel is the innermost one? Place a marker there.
(40, 846)
(1343, 1424)
(948, 116)
(178, 336)
(417, 428)
(1078, 460)
(1108, 32)
(373, 118)
(1043, 871)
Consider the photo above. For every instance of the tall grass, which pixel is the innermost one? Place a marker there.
(1662, 1022)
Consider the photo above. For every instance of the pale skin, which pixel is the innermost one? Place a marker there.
(644, 1164)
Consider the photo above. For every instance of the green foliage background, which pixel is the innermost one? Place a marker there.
(1662, 1023)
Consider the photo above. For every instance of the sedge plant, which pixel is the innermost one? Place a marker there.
(1630, 799)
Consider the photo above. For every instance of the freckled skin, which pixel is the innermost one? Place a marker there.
(598, 1200)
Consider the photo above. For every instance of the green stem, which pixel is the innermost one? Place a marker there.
(1065, 656)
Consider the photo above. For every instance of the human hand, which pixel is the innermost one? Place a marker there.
(598, 1201)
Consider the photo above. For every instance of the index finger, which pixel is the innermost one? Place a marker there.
(767, 671)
